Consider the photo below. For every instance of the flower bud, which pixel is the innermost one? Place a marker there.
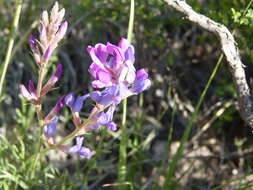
(54, 12)
(60, 15)
(44, 18)
(61, 32)
(47, 53)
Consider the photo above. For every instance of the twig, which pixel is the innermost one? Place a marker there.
(229, 48)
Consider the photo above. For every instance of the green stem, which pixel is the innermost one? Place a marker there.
(131, 23)
(168, 183)
(40, 119)
(10, 43)
(123, 141)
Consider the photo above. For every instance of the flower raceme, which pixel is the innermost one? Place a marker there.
(114, 77)
(52, 29)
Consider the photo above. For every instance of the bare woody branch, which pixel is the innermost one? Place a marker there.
(229, 48)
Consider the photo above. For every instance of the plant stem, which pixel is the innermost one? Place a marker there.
(10, 43)
(123, 141)
(38, 109)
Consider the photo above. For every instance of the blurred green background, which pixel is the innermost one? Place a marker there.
(179, 57)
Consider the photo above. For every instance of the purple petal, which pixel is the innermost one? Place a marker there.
(98, 84)
(141, 85)
(85, 152)
(79, 103)
(93, 69)
(129, 54)
(97, 54)
(76, 149)
(111, 126)
(102, 118)
(104, 76)
(101, 52)
(69, 100)
(96, 96)
(141, 74)
(123, 91)
(110, 112)
(50, 129)
(116, 52)
(123, 44)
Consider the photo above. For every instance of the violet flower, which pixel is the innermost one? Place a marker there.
(50, 129)
(105, 119)
(112, 94)
(79, 149)
(141, 82)
(75, 104)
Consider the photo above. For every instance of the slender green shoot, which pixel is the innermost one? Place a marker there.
(169, 183)
(13, 34)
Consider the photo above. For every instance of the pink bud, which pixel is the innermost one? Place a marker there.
(61, 32)
(52, 80)
(47, 53)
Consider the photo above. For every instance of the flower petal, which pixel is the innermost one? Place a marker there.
(102, 118)
(85, 152)
(77, 106)
(69, 99)
(111, 126)
(50, 129)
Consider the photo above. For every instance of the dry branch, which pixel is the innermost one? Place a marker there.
(229, 48)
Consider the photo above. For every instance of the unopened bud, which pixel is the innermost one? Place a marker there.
(45, 19)
(47, 53)
(60, 15)
(43, 36)
(61, 32)
(37, 58)
(54, 12)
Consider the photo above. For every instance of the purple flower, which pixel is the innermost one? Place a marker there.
(79, 149)
(52, 80)
(111, 94)
(141, 82)
(105, 119)
(75, 104)
(50, 129)
(29, 94)
(112, 64)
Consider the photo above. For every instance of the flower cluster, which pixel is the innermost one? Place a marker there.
(114, 77)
